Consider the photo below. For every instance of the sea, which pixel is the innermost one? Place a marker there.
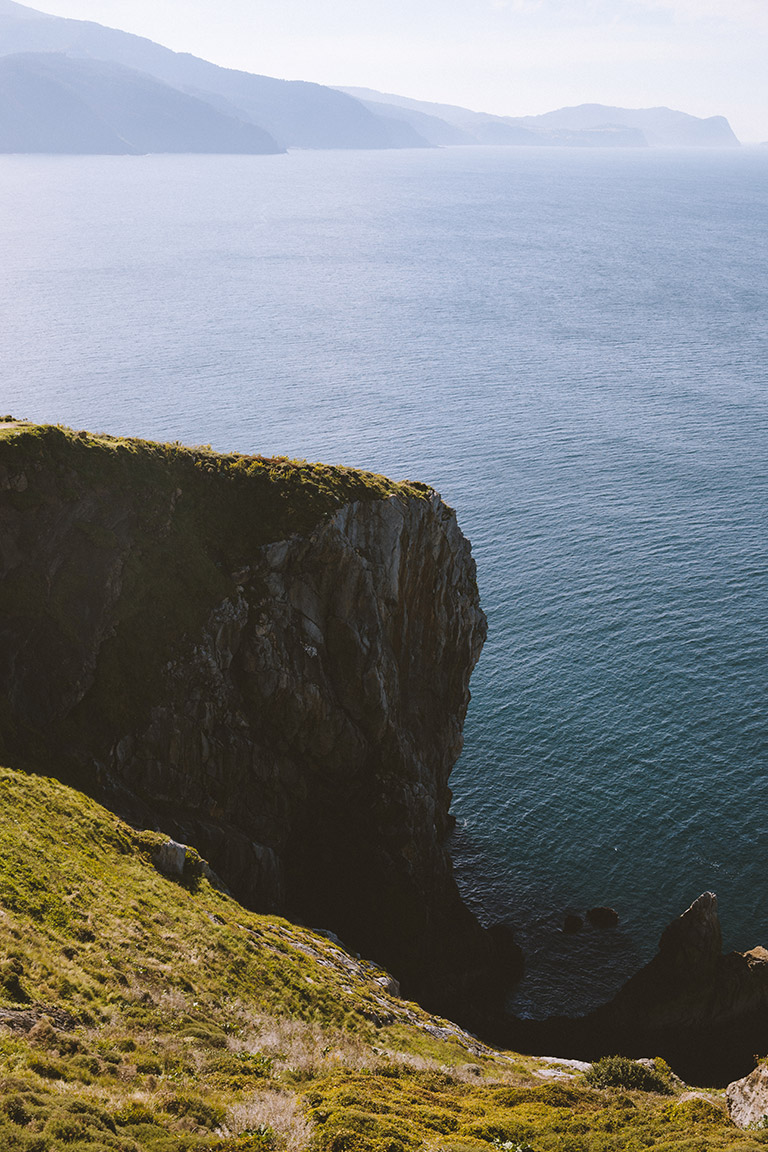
(572, 347)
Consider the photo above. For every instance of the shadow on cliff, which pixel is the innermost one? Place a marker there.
(265, 658)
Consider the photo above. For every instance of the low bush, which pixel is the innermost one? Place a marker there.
(621, 1072)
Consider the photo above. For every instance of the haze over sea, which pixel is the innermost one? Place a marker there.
(572, 347)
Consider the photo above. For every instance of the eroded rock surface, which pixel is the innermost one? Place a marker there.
(748, 1098)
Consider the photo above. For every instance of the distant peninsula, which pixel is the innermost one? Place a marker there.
(586, 125)
(288, 114)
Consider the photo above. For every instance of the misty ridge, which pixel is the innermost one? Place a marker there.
(76, 87)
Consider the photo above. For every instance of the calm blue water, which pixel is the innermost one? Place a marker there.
(573, 348)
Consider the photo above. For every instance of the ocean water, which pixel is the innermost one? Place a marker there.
(572, 346)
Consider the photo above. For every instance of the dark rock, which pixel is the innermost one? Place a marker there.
(572, 923)
(25, 1019)
(508, 950)
(603, 917)
(691, 1004)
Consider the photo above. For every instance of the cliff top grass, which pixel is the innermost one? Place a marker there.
(314, 489)
(138, 1012)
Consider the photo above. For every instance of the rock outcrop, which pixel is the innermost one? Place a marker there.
(265, 659)
(706, 1012)
(690, 984)
(748, 1099)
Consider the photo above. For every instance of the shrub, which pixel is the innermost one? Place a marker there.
(135, 1112)
(10, 981)
(208, 1035)
(84, 1067)
(621, 1072)
(15, 1108)
(697, 1111)
(204, 1114)
(237, 1070)
(46, 1068)
(261, 1139)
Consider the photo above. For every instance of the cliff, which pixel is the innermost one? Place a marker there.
(264, 658)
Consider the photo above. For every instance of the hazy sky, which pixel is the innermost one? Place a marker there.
(513, 57)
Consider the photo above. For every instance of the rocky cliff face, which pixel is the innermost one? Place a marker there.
(265, 659)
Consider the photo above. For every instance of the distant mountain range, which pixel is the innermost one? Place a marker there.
(293, 113)
(78, 87)
(587, 125)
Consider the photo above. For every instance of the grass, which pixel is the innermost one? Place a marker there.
(140, 1013)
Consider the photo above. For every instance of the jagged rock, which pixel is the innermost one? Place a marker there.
(748, 1098)
(677, 986)
(603, 917)
(695, 938)
(388, 984)
(705, 1011)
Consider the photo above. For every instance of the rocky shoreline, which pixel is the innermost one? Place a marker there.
(704, 1012)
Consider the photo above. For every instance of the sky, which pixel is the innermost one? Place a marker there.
(510, 57)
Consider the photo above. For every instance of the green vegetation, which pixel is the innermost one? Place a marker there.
(139, 1013)
(620, 1072)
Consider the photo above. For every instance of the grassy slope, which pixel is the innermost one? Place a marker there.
(167, 1017)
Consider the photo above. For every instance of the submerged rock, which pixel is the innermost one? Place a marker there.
(603, 917)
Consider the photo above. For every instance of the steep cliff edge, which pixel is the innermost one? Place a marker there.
(267, 659)
(141, 1013)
